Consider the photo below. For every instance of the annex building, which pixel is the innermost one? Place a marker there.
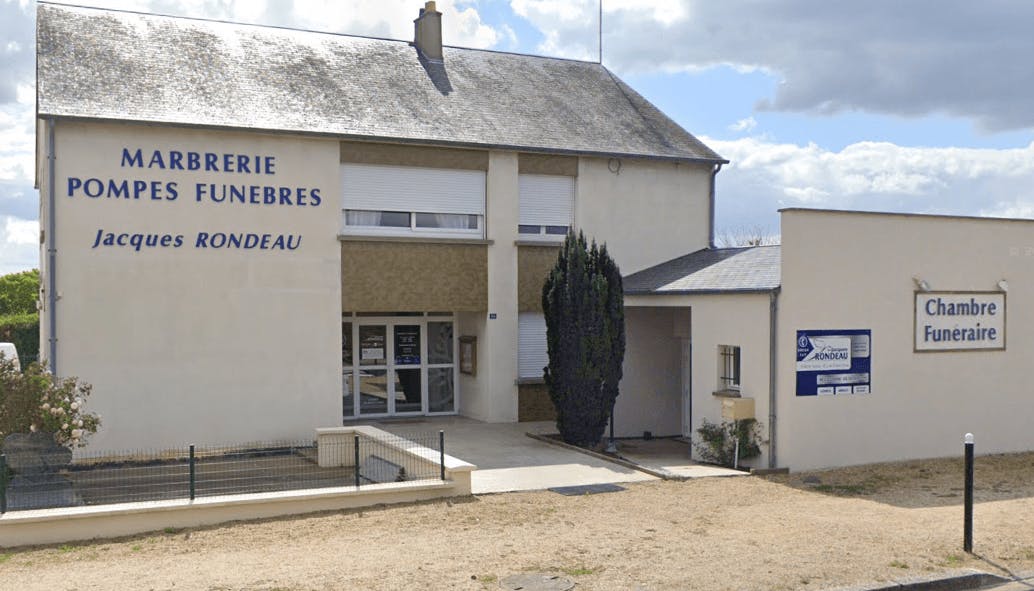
(251, 232)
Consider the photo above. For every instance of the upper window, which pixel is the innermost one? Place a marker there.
(728, 367)
(382, 200)
(546, 206)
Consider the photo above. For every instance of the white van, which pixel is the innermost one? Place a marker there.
(9, 351)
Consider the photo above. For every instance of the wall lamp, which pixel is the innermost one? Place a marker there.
(1003, 285)
(921, 283)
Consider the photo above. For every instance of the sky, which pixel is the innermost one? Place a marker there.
(921, 106)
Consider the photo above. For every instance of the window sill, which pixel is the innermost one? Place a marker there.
(413, 239)
(726, 394)
(549, 243)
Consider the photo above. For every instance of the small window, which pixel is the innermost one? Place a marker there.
(532, 354)
(728, 367)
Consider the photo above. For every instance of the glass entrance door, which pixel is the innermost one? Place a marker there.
(398, 366)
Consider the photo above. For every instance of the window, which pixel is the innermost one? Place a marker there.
(728, 368)
(382, 200)
(532, 353)
(546, 206)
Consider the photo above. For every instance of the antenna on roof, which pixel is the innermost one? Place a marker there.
(600, 23)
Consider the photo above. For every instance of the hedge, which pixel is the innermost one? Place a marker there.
(23, 331)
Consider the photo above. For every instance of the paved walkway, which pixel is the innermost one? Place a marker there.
(509, 460)
(669, 456)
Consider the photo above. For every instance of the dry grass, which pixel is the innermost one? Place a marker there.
(804, 531)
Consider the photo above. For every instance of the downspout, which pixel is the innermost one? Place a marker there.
(710, 227)
(51, 249)
(772, 309)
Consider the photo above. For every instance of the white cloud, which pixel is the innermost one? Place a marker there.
(763, 177)
(392, 19)
(830, 57)
(19, 244)
(747, 124)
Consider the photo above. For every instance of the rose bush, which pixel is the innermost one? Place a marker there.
(34, 400)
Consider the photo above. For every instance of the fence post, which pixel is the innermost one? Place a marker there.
(355, 448)
(967, 528)
(441, 452)
(3, 484)
(192, 472)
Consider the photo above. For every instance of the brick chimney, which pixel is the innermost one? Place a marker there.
(428, 37)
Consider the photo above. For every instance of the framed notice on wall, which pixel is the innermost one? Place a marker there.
(469, 355)
(834, 362)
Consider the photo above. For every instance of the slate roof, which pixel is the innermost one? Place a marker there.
(711, 270)
(125, 66)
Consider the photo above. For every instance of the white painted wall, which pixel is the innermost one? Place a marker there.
(854, 270)
(650, 396)
(188, 345)
(711, 320)
(495, 399)
(647, 213)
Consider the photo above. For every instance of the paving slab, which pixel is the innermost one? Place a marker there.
(508, 460)
(669, 456)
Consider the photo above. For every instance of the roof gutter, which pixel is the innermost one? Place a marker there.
(711, 201)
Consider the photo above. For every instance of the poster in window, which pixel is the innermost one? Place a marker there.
(371, 344)
(407, 345)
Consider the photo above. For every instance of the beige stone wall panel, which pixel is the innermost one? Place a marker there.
(533, 266)
(403, 276)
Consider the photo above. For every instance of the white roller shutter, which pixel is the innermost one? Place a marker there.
(546, 200)
(377, 187)
(532, 353)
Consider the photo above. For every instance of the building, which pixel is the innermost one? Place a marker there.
(245, 226)
(865, 337)
(250, 232)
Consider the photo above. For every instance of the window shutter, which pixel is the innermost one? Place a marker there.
(532, 353)
(378, 187)
(546, 200)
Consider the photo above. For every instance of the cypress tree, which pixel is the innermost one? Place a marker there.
(583, 303)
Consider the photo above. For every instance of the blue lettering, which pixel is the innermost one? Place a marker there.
(73, 185)
(314, 194)
(285, 196)
(193, 161)
(99, 188)
(118, 189)
(211, 162)
(250, 241)
(175, 160)
(202, 240)
(134, 159)
(291, 246)
(236, 193)
(156, 160)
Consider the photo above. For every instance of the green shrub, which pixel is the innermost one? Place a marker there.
(18, 293)
(583, 303)
(34, 400)
(23, 331)
(716, 443)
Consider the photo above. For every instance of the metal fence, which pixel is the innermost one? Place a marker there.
(193, 471)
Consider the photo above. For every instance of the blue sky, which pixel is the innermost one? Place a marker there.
(879, 105)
